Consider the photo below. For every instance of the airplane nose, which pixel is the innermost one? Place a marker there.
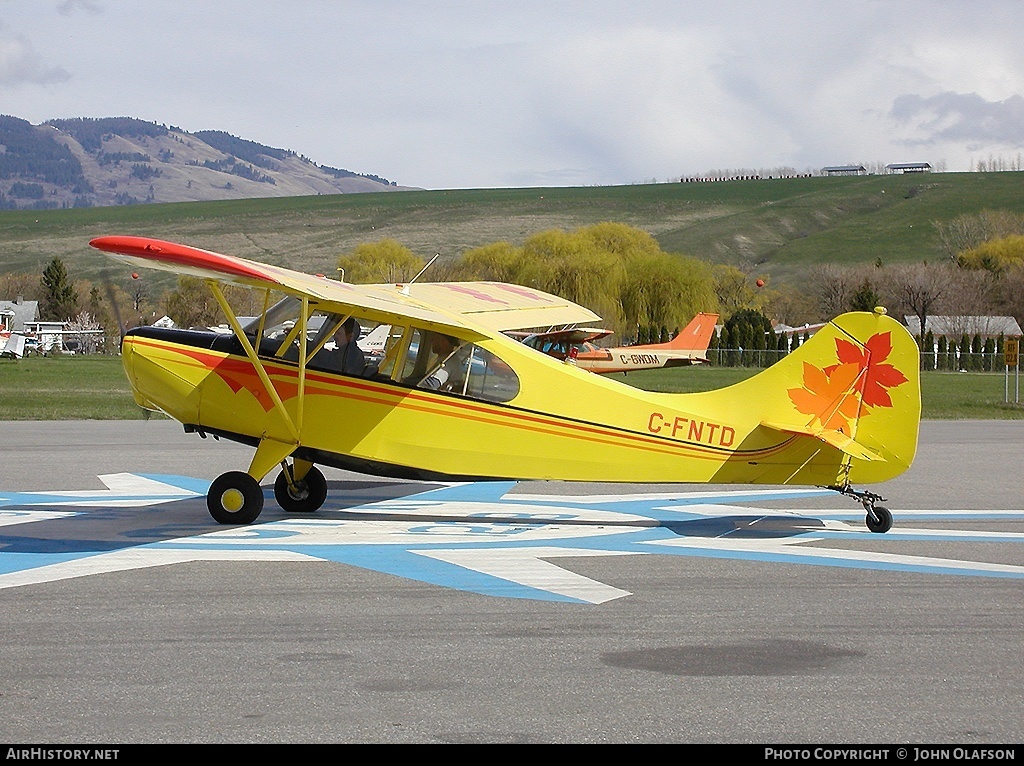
(153, 372)
(129, 356)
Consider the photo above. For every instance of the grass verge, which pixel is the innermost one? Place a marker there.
(95, 388)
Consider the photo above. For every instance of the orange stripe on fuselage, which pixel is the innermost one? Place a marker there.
(418, 400)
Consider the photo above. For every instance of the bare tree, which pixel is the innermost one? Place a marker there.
(968, 231)
(917, 288)
(832, 286)
(1010, 294)
(973, 293)
(88, 331)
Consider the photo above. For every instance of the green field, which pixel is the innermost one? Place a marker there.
(944, 395)
(775, 227)
(95, 388)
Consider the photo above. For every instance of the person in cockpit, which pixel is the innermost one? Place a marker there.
(346, 357)
(449, 356)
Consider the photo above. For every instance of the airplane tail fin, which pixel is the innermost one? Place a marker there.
(854, 386)
(696, 336)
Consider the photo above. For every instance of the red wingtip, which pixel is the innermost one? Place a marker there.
(180, 255)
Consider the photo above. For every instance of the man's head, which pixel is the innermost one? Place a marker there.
(443, 345)
(345, 331)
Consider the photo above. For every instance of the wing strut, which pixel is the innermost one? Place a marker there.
(271, 450)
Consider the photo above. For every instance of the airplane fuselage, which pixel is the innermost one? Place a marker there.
(563, 423)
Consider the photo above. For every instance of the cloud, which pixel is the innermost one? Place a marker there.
(964, 118)
(456, 93)
(68, 7)
(20, 64)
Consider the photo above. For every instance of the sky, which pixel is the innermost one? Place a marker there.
(483, 94)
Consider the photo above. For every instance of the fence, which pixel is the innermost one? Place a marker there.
(951, 361)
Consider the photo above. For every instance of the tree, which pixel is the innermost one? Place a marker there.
(578, 268)
(192, 304)
(27, 285)
(917, 287)
(965, 352)
(972, 230)
(995, 255)
(665, 289)
(1010, 292)
(977, 345)
(733, 290)
(928, 348)
(60, 301)
(831, 285)
(793, 305)
(989, 354)
(384, 262)
(750, 330)
(83, 324)
(865, 298)
(617, 271)
(495, 262)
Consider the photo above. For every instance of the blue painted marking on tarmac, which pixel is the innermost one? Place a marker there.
(475, 537)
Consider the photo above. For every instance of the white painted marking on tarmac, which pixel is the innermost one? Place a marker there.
(481, 538)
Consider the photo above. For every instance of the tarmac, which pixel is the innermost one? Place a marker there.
(535, 613)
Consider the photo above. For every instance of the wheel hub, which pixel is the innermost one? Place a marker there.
(232, 500)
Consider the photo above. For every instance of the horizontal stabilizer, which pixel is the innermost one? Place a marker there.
(837, 439)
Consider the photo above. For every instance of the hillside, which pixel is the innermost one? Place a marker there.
(773, 228)
(124, 161)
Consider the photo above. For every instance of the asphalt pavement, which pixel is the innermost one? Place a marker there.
(537, 613)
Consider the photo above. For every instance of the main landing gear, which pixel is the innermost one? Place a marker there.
(237, 498)
(878, 518)
(303, 495)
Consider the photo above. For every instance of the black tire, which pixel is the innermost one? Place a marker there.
(235, 498)
(884, 523)
(312, 491)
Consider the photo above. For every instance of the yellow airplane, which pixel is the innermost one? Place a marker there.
(455, 398)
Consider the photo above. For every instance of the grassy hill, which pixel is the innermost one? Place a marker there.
(774, 228)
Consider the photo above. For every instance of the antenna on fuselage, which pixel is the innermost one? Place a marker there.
(405, 287)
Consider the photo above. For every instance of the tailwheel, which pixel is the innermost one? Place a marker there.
(879, 519)
(304, 495)
(235, 498)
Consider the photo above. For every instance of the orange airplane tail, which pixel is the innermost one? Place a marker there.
(696, 336)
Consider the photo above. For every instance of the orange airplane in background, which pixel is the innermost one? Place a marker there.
(690, 346)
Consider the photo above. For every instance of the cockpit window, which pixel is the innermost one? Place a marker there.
(411, 356)
(335, 342)
(445, 363)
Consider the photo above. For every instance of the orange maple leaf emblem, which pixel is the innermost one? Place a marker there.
(880, 376)
(834, 395)
(830, 396)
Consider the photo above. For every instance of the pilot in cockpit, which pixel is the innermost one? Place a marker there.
(447, 362)
(346, 357)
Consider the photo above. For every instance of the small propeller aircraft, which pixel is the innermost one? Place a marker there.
(12, 345)
(375, 342)
(690, 346)
(455, 398)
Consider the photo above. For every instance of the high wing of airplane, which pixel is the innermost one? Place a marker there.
(455, 398)
(690, 346)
